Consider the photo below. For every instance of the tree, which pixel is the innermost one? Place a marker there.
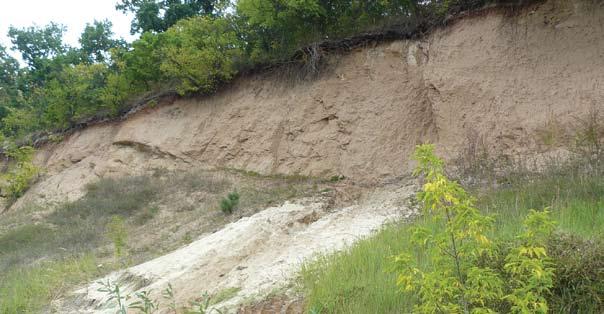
(38, 43)
(43, 50)
(96, 41)
(9, 73)
(75, 94)
(159, 15)
(140, 65)
(200, 53)
(457, 277)
(277, 27)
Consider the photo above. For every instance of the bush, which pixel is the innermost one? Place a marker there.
(116, 231)
(457, 280)
(228, 204)
(22, 173)
(579, 274)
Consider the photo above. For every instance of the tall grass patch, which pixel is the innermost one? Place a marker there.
(30, 289)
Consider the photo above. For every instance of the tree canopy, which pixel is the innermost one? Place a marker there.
(159, 15)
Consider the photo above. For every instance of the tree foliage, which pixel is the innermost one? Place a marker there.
(158, 16)
(21, 172)
(200, 53)
(97, 41)
(37, 44)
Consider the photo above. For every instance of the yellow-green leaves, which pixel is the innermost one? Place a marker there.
(116, 231)
(459, 281)
(529, 267)
(200, 53)
(21, 173)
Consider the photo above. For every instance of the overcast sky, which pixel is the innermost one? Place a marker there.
(74, 14)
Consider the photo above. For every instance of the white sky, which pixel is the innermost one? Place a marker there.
(74, 14)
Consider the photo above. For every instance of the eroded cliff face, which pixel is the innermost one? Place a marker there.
(503, 77)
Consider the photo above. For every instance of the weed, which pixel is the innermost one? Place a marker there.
(114, 293)
(359, 279)
(116, 231)
(21, 174)
(168, 294)
(589, 138)
(29, 289)
(202, 306)
(229, 203)
(579, 274)
(552, 133)
(144, 303)
(147, 214)
(337, 178)
(187, 238)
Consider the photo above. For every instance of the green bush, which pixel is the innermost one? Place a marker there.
(458, 281)
(21, 173)
(579, 274)
(229, 203)
(117, 232)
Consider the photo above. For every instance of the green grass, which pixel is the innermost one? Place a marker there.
(39, 261)
(30, 289)
(360, 280)
(224, 295)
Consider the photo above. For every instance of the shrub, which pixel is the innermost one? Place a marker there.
(358, 280)
(22, 173)
(458, 280)
(229, 203)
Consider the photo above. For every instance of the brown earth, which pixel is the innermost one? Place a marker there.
(504, 79)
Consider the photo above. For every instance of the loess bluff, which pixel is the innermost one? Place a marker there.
(498, 78)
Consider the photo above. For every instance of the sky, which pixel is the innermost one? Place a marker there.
(74, 14)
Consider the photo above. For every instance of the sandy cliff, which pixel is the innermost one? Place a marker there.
(505, 77)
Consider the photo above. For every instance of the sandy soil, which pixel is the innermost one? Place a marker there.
(257, 254)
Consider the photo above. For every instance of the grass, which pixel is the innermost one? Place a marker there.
(359, 280)
(29, 289)
(63, 246)
(39, 261)
(224, 295)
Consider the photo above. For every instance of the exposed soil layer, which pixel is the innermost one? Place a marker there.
(512, 81)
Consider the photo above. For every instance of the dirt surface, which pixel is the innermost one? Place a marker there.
(510, 80)
(256, 255)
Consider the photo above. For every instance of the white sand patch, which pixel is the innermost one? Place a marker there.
(256, 254)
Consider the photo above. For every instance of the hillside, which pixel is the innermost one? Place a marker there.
(321, 163)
